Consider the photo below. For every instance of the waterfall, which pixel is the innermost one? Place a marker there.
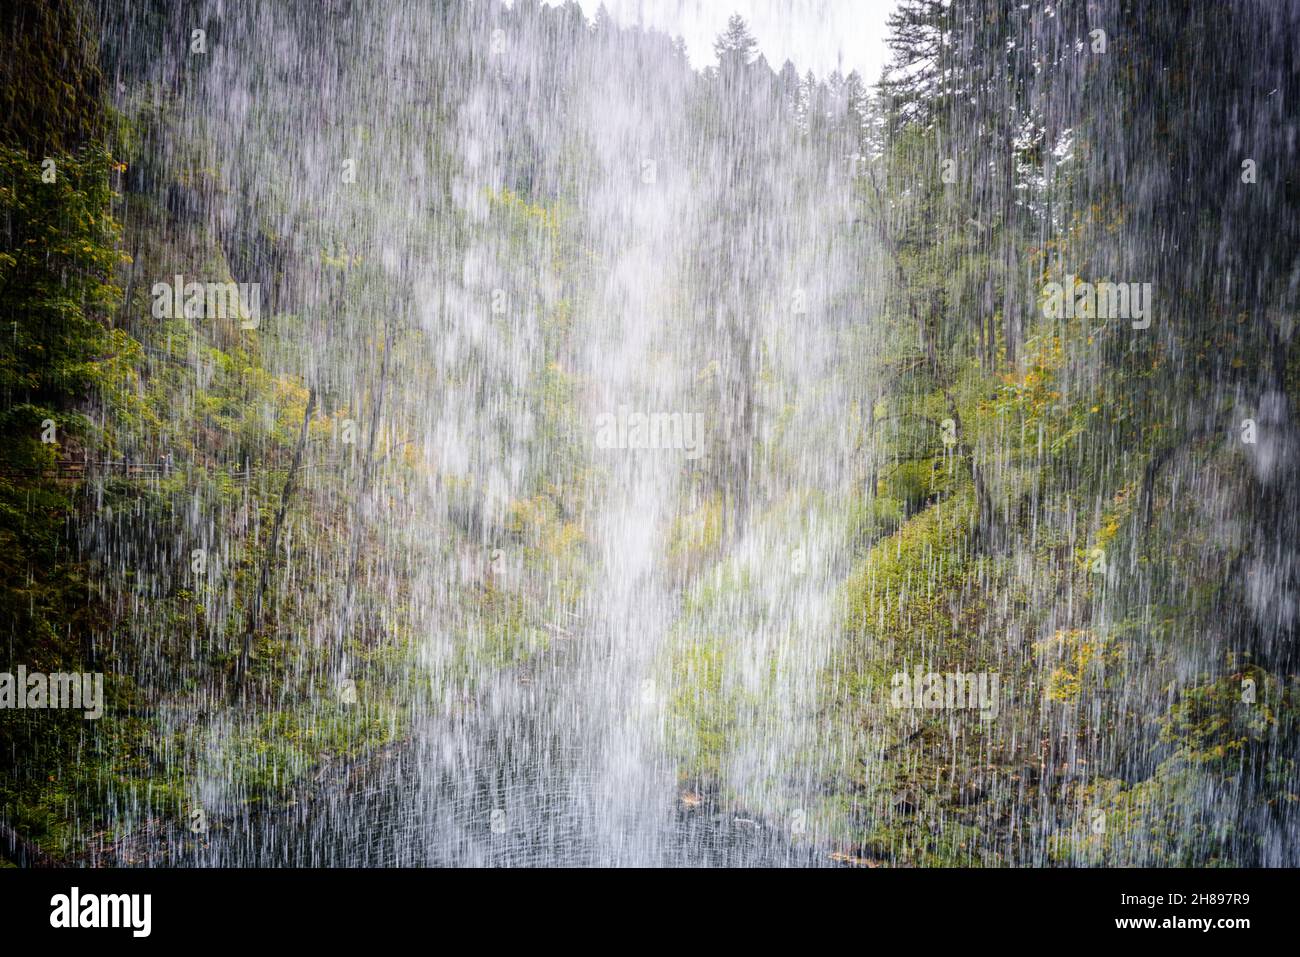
(486, 433)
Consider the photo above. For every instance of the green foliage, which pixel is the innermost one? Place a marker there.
(51, 89)
(56, 272)
(56, 275)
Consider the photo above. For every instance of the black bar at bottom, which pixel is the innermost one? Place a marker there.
(333, 906)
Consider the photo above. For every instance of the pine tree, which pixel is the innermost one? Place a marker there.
(736, 45)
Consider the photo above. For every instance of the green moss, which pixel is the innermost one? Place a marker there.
(909, 581)
(275, 757)
(703, 718)
(696, 536)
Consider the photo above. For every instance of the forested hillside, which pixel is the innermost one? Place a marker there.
(608, 460)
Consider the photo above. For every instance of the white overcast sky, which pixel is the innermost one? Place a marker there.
(817, 35)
